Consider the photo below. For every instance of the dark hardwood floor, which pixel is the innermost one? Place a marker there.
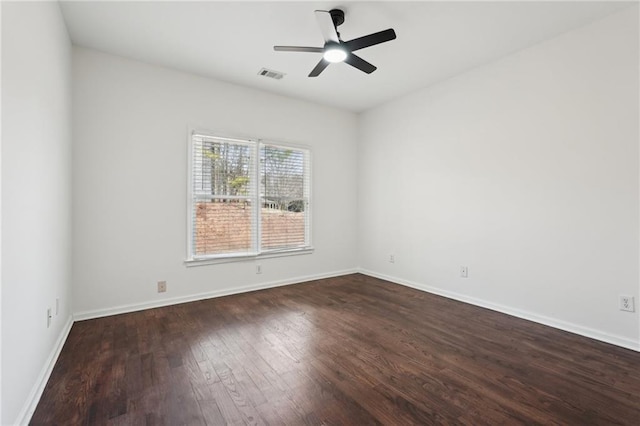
(349, 350)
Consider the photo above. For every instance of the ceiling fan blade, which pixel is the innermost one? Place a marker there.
(298, 49)
(319, 68)
(361, 64)
(326, 26)
(370, 40)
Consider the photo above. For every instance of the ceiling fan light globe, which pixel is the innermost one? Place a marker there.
(335, 54)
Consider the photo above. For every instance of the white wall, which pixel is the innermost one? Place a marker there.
(0, 216)
(524, 170)
(130, 171)
(36, 198)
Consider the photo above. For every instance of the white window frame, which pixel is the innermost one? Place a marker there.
(256, 144)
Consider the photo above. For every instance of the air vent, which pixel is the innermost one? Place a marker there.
(271, 73)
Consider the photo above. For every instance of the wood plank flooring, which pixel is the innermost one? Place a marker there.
(349, 350)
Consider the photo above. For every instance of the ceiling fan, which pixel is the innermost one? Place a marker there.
(336, 50)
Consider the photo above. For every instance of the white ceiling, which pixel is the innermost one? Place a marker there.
(231, 41)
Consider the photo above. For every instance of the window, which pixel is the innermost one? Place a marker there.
(247, 198)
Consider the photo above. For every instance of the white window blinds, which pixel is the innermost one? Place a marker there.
(223, 197)
(247, 197)
(284, 197)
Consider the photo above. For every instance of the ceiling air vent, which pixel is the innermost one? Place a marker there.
(271, 73)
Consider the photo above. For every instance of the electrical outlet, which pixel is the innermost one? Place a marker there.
(464, 272)
(258, 269)
(626, 303)
(48, 317)
(162, 286)
(392, 259)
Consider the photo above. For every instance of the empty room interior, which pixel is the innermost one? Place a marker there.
(294, 213)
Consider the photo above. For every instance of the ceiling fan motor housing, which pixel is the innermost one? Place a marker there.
(337, 16)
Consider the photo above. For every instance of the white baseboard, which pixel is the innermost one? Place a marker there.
(540, 319)
(98, 313)
(24, 417)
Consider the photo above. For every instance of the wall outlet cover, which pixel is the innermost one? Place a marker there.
(627, 303)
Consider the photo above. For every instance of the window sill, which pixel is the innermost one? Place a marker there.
(244, 258)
